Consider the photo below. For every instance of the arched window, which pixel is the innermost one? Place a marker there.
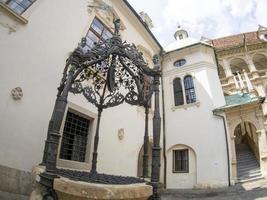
(189, 89)
(178, 92)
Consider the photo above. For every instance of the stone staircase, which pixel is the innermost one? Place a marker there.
(248, 168)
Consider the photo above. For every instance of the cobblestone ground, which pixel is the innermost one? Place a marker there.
(10, 196)
(256, 190)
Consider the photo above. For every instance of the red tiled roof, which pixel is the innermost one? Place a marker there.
(236, 40)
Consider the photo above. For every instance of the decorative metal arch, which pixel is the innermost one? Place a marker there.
(110, 73)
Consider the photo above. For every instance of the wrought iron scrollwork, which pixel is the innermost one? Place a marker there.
(89, 94)
(108, 74)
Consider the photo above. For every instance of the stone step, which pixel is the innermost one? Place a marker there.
(254, 170)
(249, 174)
(251, 169)
(248, 166)
(245, 156)
(249, 179)
(246, 159)
(248, 169)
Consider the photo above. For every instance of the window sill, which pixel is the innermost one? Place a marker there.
(185, 106)
(13, 14)
(70, 164)
(180, 172)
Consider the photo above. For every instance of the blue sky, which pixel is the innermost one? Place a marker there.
(208, 18)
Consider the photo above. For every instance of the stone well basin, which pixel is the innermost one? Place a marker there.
(67, 189)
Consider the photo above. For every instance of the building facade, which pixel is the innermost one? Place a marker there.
(200, 121)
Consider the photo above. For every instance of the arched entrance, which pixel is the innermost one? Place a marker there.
(140, 160)
(247, 152)
(238, 65)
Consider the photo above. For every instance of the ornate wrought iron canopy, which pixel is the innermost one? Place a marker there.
(110, 73)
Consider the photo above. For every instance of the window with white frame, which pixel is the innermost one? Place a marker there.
(178, 92)
(19, 6)
(98, 31)
(189, 88)
(184, 91)
(180, 161)
(75, 136)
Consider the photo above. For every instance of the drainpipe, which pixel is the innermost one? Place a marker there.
(164, 127)
(227, 145)
(224, 123)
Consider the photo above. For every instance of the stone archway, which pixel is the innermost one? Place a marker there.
(247, 151)
(259, 61)
(238, 65)
(140, 160)
(245, 134)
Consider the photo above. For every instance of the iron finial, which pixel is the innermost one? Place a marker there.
(117, 25)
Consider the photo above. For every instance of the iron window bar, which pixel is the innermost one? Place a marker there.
(74, 139)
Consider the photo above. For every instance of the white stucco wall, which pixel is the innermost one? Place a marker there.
(194, 125)
(181, 180)
(33, 58)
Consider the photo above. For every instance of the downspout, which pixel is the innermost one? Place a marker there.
(227, 145)
(164, 127)
(224, 123)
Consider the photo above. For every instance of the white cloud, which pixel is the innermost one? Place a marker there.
(239, 8)
(210, 18)
(260, 13)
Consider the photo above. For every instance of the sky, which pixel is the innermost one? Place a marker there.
(208, 18)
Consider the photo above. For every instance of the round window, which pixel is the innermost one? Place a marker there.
(179, 63)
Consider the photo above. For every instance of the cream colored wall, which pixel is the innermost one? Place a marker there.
(194, 125)
(182, 180)
(33, 57)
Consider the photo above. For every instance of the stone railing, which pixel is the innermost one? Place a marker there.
(255, 74)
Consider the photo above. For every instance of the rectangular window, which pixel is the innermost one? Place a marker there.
(97, 32)
(180, 161)
(74, 140)
(19, 6)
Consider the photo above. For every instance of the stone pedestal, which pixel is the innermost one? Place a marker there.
(67, 189)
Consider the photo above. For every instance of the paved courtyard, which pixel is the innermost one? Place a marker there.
(256, 190)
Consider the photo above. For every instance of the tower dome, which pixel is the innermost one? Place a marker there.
(180, 33)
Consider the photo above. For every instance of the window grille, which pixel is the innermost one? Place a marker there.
(97, 31)
(189, 90)
(180, 161)
(19, 6)
(74, 140)
(178, 92)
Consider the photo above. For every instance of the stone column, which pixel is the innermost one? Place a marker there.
(250, 63)
(226, 67)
